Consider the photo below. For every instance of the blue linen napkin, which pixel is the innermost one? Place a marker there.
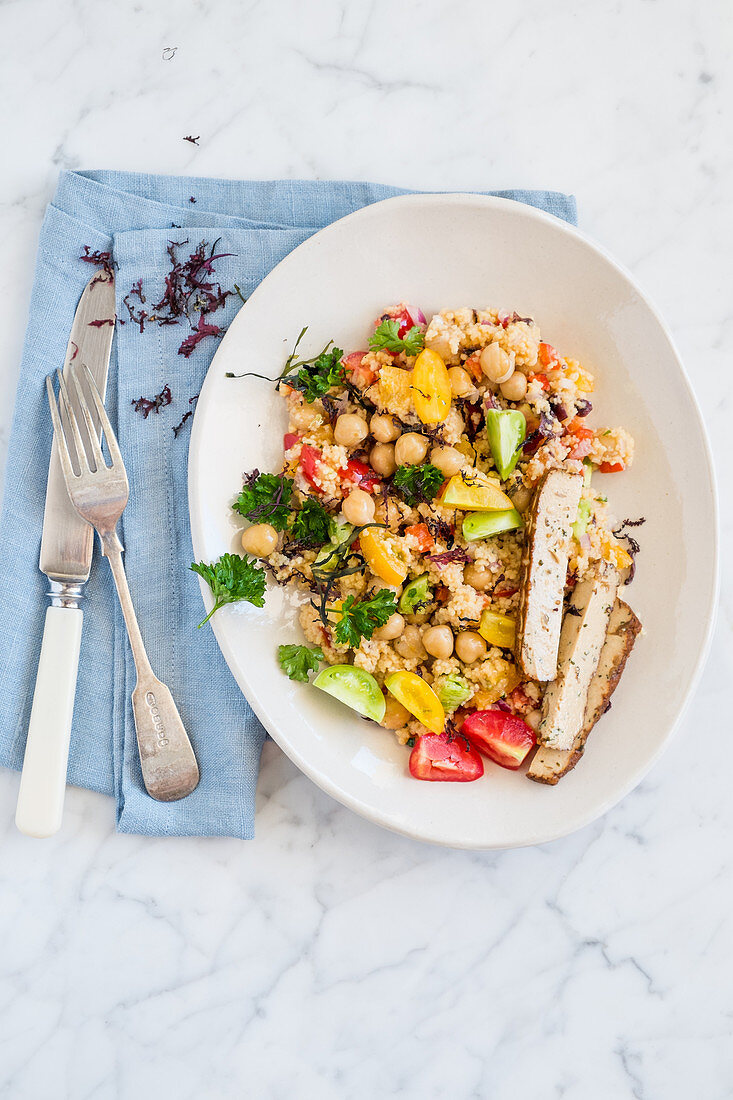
(136, 216)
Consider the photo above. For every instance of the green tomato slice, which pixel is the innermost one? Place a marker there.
(415, 595)
(506, 430)
(354, 687)
(482, 525)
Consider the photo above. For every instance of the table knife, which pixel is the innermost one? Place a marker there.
(66, 556)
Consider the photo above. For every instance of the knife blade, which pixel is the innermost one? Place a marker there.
(67, 543)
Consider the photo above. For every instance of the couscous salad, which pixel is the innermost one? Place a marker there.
(460, 568)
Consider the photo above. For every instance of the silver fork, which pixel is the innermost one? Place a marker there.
(99, 493)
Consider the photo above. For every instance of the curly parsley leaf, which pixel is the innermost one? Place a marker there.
(265, 498)
(312, 524)
(359, 619)
(385, 338)
(314, 377)
(232, 579)
(298, 660)
(417, 484)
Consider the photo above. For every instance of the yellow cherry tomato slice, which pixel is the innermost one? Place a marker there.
(473, 491)
(497, 629)
(383, 555)
(431, 390)
(418, 697)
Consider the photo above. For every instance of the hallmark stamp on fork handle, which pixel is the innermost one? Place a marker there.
(157, 718)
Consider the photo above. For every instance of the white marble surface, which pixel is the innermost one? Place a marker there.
(326, 958)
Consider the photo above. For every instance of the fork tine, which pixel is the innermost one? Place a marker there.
(81, 453)
(114, 450)
(91, 428)
(58, 429)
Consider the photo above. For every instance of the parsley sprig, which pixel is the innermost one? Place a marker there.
(314, 377)
(416, 484)
(232, 579)
(385, 338)
(312, 524)
(360, 618)
(265, 498)
(298, 660)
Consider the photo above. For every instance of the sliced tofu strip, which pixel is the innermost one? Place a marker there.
(583, 634)
(549, 765)
(544, 570)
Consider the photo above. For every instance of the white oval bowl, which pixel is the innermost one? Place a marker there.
(439, 252)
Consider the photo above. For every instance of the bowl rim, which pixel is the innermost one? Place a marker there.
(196, 521)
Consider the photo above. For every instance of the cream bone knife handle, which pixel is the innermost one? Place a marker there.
(43, 779)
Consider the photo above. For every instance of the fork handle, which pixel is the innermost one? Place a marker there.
(43, 779)
(167, 758)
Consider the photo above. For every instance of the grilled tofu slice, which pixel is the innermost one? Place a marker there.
(544, 570)
(549, 765)
(581, 640)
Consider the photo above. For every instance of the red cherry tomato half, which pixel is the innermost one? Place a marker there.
(405, 322)
(404, 319)
(361, 375)
(361, 474)
(310, 460)
(437, 759)
(503, 737)
(611, 467)
(581, 438)
(547, 356)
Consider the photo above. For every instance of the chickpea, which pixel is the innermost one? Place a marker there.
(350, 430)
(461, 382)
(303, 417)
(410, 449)
(521, 498)
(382, 459)
(358, 508)
(259, 540)
(410, 646)
(384, 428)
(376, 584)
(496, 364)
(442, 346)
(515, 387)
(438, 640)
(392, 628)
(478, 576)
(448, 460)
(395, 716)
(532, 718)
(470, 646)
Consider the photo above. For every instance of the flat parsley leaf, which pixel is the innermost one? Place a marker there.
(359, 619)
(312, 524)
(265, 498)
(418, 483)
(314, 377)
(298, 660)
(385, 338)
(231, 579)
